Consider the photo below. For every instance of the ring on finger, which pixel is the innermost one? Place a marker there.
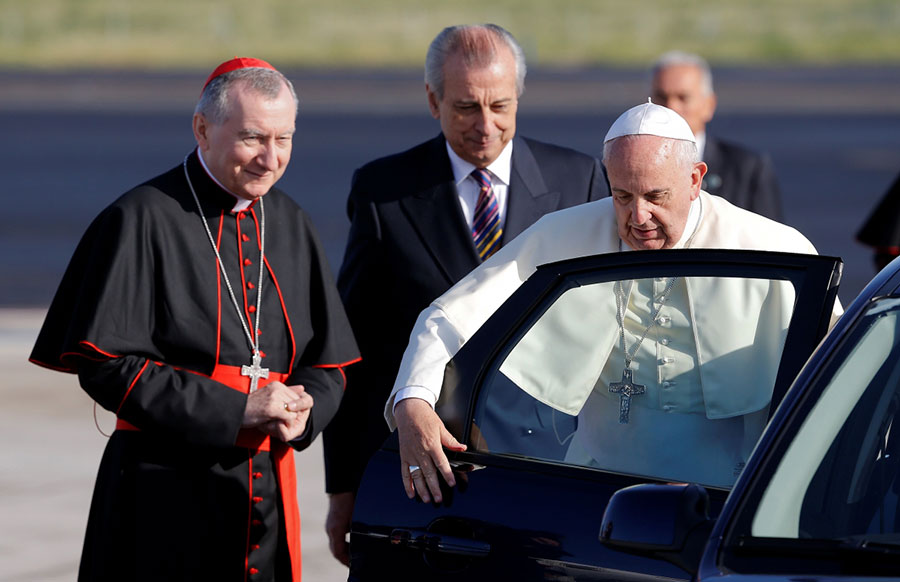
(287, 406)
(413, 469)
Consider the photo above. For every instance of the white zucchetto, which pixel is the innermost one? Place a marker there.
(650, 119)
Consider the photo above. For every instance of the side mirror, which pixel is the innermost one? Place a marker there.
(668, 522)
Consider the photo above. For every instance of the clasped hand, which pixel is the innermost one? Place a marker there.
(278, 410)
(422, 438)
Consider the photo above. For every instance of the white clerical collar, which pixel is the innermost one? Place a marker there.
(240, 203)
(690, 227)
(501, 168)
(700, 138)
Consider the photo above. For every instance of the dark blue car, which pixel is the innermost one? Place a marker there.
(820, 497)
(529, 503)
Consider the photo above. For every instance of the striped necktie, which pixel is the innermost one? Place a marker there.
(486, 223)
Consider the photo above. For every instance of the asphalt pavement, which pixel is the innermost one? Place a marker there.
(50, 454)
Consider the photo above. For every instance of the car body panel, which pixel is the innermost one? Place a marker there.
(512, 516)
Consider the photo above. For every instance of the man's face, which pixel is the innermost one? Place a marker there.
(478, 109)
(680, 88)
(249, 152)
(652, 191)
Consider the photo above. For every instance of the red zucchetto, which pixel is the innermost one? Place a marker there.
(235, 64)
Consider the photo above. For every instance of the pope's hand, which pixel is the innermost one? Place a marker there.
(422, 434)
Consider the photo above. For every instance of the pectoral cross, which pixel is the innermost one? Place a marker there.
(626, 389)
(255, 371)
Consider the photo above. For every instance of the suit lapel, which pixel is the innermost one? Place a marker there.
(528, 198)
(435, 215)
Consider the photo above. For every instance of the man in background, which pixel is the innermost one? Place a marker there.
(683, 82)
(881, 231)
(423, 218)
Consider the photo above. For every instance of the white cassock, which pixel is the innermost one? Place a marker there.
(713, 411)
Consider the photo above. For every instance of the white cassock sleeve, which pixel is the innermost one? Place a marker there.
(434, 342)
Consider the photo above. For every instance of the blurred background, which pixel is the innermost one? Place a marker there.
(97, 96)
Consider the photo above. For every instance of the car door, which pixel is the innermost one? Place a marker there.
(530, 395)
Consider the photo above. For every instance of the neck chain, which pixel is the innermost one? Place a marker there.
(254, 371)
(627, 388)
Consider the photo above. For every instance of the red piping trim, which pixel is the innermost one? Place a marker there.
(96, 349)
(344, 365)
(133, 382)
(249, 515)
(219, 290)
(284, 312)
(240, 249)
(340, 368)
(50, 366)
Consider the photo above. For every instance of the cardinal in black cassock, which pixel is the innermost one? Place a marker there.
(145, 317)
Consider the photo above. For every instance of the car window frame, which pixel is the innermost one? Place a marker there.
(789, 554)
(815, 278)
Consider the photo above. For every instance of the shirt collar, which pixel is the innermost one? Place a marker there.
(240, 203)
(501, 168)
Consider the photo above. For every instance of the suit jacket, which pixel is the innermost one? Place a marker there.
(743, 177)
(409, 242)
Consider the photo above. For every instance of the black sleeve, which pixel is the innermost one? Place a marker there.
(766, 195)
(599, 182)
(326, 386)
(156, 398)
(345, 440)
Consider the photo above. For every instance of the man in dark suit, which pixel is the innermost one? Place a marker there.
(881, 231)
(683, 82)
(424, 218)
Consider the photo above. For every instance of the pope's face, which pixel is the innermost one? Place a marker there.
(652, 190)
(680, 88)
(478, 109)
(250, 150)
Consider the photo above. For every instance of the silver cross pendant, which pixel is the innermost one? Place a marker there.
(626, 389)
(255, 372)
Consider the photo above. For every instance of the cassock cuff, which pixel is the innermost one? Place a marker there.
(414, 392)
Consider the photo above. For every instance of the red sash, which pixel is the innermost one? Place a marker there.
(255, 441)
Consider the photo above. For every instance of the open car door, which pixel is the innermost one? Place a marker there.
(555, 425)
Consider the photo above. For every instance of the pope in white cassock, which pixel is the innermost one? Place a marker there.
(654, 174)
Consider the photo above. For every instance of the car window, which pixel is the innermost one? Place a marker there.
(838, 478)
(668, 377)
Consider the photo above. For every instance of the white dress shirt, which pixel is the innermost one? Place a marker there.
(468, 188)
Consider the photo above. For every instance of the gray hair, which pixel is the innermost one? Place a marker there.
(469, 41)
(213, 103)
(684, 151)
(682, 59)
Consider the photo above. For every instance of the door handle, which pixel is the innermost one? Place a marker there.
(442, 544)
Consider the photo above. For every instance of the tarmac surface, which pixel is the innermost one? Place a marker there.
(51, 451)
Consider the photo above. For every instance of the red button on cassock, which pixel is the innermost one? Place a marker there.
(253, 571)
(252, 309)
(245, 237)
(257, 499)
(247, 262)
